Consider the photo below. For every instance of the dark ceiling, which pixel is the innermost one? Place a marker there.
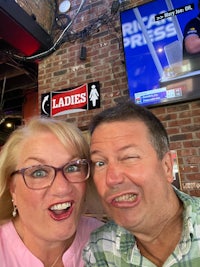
(20, 37)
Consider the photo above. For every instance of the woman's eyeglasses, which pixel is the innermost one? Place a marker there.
(42, 176)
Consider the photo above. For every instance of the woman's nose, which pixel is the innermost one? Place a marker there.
(61, 184)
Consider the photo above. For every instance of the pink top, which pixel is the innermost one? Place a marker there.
(13, 252)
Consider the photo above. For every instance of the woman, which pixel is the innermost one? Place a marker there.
(44, 166)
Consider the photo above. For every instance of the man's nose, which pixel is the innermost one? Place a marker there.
(114, 174)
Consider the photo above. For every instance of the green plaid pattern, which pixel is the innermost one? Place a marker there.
(113, 246)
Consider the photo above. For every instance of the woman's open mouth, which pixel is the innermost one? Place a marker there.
(61, 211)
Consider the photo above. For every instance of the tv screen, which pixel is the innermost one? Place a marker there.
(160, 70)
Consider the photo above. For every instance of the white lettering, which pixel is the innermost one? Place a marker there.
(69, 100)
(127, 29)
(83, 98)
(188, 8)
(170, 30)
(133, 36)
(136, 40)
(179, 11)
(157, 34)
(151, 22)
(169, 14)
(54, 103)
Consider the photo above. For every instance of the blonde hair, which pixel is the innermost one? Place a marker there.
(66, 132)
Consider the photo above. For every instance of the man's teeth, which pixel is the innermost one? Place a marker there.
(62, 206)
(127, 197)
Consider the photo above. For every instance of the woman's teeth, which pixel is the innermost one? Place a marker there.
(61, 206)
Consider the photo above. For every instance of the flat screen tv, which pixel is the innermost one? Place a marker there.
(158, 71)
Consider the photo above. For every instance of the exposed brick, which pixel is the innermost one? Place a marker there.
(105, 63)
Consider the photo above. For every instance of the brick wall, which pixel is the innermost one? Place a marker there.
(183, 127)
(105, 63)
(42, 11)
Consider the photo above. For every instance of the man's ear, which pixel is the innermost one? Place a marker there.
(168, 166)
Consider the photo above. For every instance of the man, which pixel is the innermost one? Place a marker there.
(153, 224)
(191, 41)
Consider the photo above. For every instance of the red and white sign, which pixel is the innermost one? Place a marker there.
(69, 100)
(84, 97)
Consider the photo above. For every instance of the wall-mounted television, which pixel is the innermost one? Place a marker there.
(153, 35)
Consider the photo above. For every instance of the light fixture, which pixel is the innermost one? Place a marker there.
(83, 53)
(9, 125)
(64, 6)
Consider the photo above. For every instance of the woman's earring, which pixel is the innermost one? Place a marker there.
(14, 213)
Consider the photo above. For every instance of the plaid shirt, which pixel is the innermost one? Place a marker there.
(112, 245)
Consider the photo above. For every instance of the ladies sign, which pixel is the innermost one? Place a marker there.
(81, 98)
